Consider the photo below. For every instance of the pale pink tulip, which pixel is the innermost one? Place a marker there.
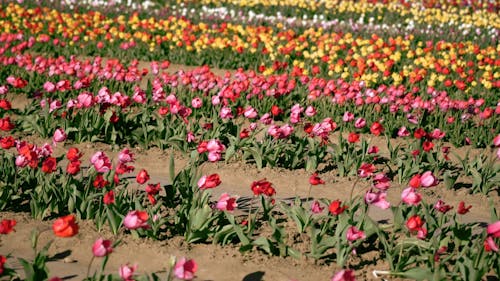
(378, 199)
(410, 196)
(59, 135)
(428, 179)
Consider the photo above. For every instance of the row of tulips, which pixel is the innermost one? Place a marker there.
(67, 226)
(293, 131)
(424, 241)
(463, 66)
(364, 25)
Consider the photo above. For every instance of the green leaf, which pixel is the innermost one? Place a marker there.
(416, 274)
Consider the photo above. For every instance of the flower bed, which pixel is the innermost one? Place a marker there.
(381, 110)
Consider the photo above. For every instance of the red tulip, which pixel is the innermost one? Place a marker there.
(414, 223)
(7, 226)
(65, 226)
(462, 209)
(377, 128)
(142, 177)
(49, 165)
(335, 207)
(210, 181)
(315, 180)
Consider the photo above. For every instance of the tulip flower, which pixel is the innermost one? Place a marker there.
(315, 180)
(102, 247)
(428, 179)
(136, 219)
(226, 203)
(494, 229)
(377, 199)
(335, 207)
(344, 275)
(354, 234)
(127, 272)
(185, 269)
(7, 226)
(59, 136)
(101, 162)
(65, 226)
(142, 177)
(410, 196)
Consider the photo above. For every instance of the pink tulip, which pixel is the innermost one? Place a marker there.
(59, 136)
(185, 269)
(410, 196)
(215, 100)
(250, 112)
(422, 233)
(381, 181)
(215, 146)
(490, 245)
(139, 96)
(310, 111)
(214, 156)
(125, 156)
(428, 179)
(360, 123)
(136, 219)
(316, 207)
(49, 87)
(348, 117)
(494, 229)
(403, 132)
(3, 89)
(85, 100)
(496, 141)
(54, 105)
(266, 119)
(378, 199)
(171, 99)
(437, 134)
(101, 162)
(127, 272)
(226, 203)
(344, 275)
(21, 161)
(354, 234)
(196, 102)
(102, 247)
(226, 113)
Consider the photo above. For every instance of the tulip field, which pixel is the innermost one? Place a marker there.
(250, 140)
